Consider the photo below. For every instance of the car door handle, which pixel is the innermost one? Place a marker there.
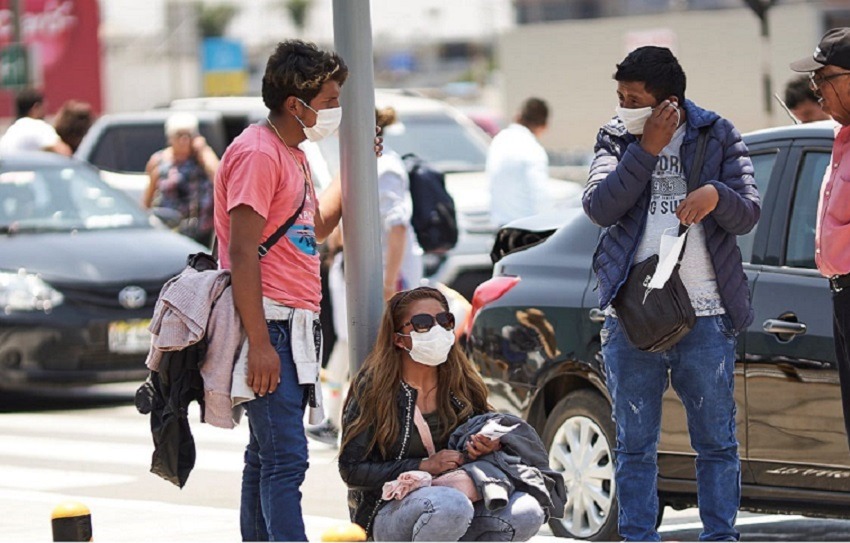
(777, 326)
(596, 315)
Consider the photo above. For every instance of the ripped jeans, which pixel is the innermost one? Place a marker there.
(439, 513)
(701, 370)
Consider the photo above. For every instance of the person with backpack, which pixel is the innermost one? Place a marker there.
(402, 266)
(638, 192)
(518, 166)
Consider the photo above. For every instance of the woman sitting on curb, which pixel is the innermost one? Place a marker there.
(414, 390)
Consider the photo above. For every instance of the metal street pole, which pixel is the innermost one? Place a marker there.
(361, 217)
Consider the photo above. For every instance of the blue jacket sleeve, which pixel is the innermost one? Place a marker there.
(739, 206)
(615, 184)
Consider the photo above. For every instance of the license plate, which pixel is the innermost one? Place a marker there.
(129, 337)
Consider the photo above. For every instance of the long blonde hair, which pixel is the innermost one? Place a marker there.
(375, 388)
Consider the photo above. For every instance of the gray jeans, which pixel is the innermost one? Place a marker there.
(439, 513)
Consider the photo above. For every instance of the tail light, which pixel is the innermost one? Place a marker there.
(488, 292)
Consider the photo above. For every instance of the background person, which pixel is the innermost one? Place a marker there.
(518, 166)
(637, 189)
(830, 78)
(72, 121)
(402, 264)
(416, 365)
(31, 132)
(803, 102)
(181, 178)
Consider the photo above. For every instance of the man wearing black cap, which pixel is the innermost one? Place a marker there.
(829, 76)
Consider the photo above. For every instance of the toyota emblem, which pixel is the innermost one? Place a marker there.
(132, 297)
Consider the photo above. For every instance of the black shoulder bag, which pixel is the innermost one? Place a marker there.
(655, 320)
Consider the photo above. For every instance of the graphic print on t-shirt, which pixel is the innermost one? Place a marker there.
(669, 187)
(302, 234)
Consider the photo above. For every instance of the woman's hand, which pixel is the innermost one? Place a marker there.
(479, 445)
(442, 462)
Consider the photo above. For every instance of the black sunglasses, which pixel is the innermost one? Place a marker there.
(424, 322)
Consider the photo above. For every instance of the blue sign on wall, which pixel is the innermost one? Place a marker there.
(223, 55)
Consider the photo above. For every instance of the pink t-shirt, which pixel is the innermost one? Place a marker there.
(833, 226)
(258, 171)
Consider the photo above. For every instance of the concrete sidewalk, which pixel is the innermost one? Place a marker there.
(26, 517)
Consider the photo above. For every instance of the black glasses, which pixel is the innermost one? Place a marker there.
(424, 322)
(816, 80)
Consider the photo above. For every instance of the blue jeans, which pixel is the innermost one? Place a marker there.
(276, 456)
(701, 370)
(439, 513)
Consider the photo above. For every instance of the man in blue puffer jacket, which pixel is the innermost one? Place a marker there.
(636, 190)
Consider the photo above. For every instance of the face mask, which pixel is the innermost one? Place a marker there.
(432, 347)
(634, 119)
(327, 122)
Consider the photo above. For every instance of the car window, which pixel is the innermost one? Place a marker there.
(127, 148)
(439, 139)
(59, 198)
(800, 249)
(763, 164)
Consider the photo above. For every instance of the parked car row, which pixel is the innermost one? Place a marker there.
(535, 337)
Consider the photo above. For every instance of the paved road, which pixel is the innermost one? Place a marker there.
(95, 448)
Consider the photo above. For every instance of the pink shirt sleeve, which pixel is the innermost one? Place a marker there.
(259, 175)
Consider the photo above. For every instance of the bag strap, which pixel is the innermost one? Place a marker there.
(266, 246)
(696, 167)
(424, 431)
(693, 179)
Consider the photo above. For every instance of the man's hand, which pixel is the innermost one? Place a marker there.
(441, 462)
(379, 142)
(697, 205)
(479, 445)
(660, 127)
(263, 368)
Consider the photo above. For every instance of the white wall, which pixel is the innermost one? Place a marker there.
(570, 64)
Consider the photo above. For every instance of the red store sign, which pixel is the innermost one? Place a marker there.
(62, 36)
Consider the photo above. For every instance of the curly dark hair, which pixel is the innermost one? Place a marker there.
(657, 69)
(72, 121)
(298, 68)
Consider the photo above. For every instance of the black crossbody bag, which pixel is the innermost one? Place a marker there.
(655, 320)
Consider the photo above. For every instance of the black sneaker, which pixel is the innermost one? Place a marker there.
(325, 433)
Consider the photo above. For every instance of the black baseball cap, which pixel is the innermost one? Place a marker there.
(834, 48)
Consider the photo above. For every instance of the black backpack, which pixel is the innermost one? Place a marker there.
(434, 219)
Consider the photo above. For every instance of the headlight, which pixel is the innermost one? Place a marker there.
(22, 291)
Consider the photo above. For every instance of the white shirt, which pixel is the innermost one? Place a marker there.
(518, 168)
(28, 134)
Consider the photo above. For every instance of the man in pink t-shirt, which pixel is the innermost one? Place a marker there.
(829, 72)
(261, 182)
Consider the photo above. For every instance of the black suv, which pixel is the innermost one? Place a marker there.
(535, 339)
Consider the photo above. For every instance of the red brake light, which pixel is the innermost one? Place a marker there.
(488, 292)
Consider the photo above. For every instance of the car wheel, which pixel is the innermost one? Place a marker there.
(579, 436)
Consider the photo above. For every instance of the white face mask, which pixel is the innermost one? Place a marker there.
(327, 122)
(634, 119)
(432, 347)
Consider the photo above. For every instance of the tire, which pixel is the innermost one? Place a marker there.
(579, 436)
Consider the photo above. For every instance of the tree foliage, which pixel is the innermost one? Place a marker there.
(213, 19)
(298, 10)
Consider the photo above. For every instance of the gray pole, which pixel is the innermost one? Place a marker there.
(361, 217)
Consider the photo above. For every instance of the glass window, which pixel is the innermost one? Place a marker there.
(763, 164)
(800, 249)
(54, 198)
(438, 139)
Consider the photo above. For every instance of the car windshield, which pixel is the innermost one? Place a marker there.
(439, 139)
(62, 198)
